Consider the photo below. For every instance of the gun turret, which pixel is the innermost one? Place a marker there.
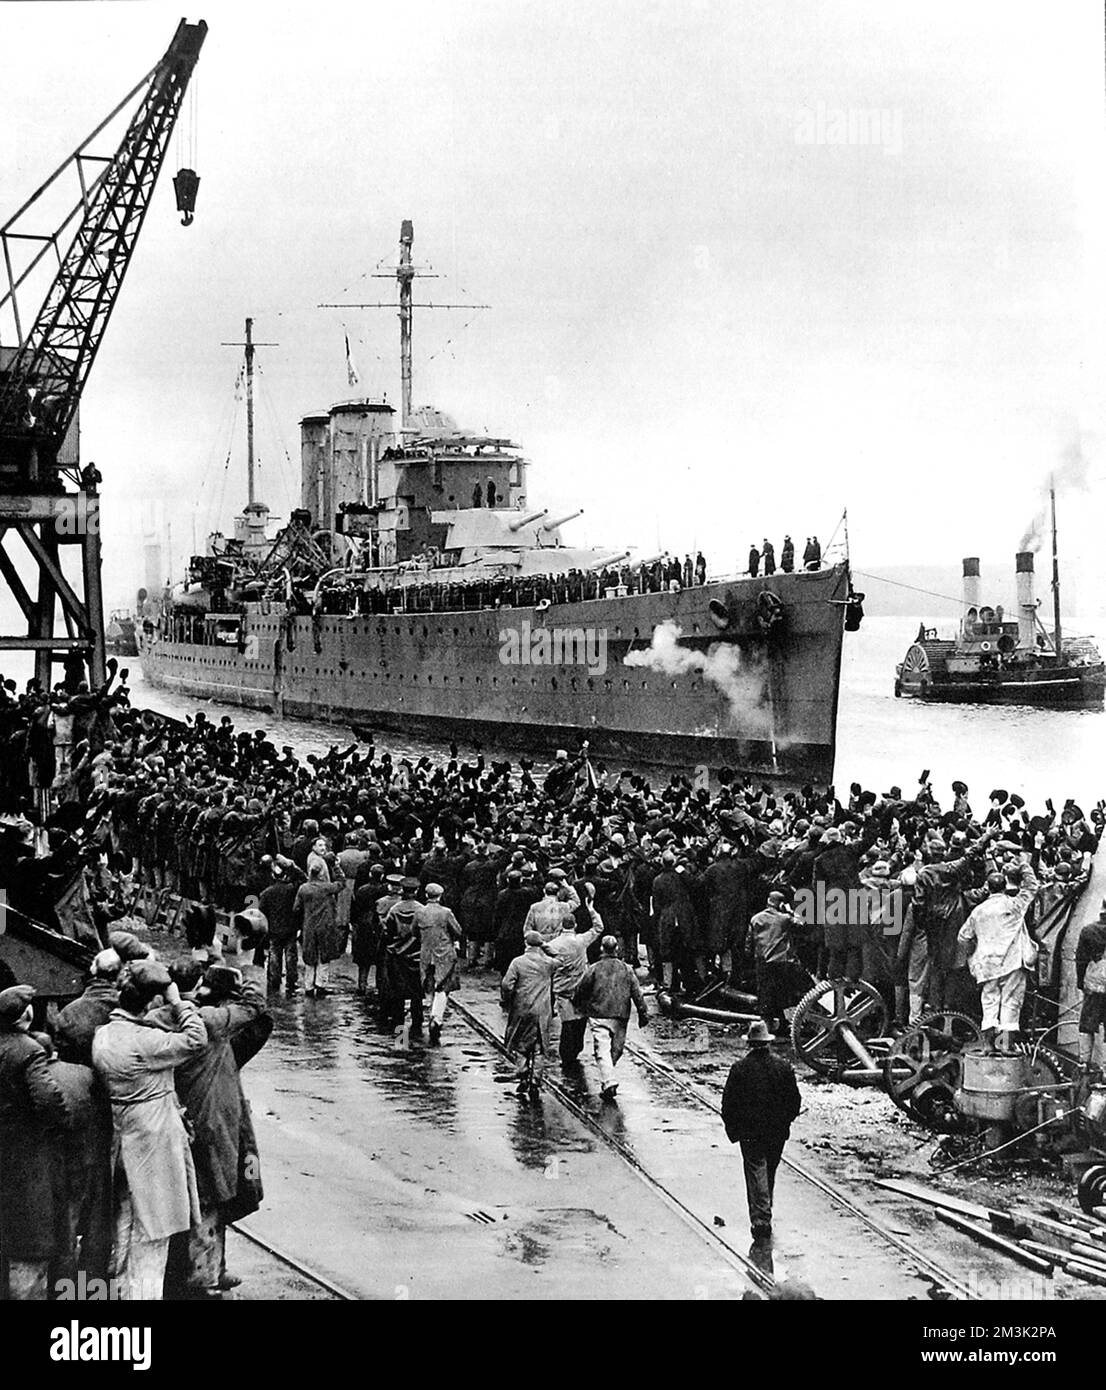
(522, 521)
(608, 561)
(560, 521)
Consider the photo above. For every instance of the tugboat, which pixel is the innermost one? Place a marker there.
(994, 660)
(417, 589)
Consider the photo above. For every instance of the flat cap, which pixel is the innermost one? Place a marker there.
(127, 946)
(13, 1003)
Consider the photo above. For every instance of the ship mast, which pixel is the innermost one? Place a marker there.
(250, 498)
(405, 273)
(250, 346)
(1056, 635)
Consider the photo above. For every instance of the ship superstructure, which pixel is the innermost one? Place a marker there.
(420, 588)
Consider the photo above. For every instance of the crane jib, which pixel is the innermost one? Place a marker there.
(42, 384)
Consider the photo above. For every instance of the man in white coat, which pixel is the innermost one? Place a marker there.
(1002, 955)
(155, 1181)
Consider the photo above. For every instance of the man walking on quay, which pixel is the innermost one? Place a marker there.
(759, 1103)
(605, 994)
(525, 992)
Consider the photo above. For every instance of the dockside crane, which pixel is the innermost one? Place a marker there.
(46, 497)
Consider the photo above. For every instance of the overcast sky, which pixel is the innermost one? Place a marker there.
(749, 263)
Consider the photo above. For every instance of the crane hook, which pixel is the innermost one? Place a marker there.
(186, 182)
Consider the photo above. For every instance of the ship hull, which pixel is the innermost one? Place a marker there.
(1078, 689)
(768, 706)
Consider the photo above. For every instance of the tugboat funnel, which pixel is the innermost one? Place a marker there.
(971, 581)
(1027, 600)
(970, 592)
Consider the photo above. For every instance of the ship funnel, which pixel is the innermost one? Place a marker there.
(560, 521)
(971, 581)
(522, 521)
(1027, 599)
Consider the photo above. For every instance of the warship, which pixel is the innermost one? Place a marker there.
(994, 658)
(419, 589)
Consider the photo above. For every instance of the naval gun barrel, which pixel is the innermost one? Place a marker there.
(608, 561)
(560, 521)
(651, 559)
(522, 521)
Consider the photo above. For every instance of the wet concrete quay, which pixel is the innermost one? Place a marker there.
(413, 1173)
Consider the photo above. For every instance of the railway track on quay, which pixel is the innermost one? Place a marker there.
(948, 1284)
(297, 1266)
(941, 1275)
(757, 1277)
(378, 1157)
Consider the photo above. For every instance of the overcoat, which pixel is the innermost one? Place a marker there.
(135, 1058)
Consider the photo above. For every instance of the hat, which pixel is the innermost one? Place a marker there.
(251, 925)
(13, 1003)
(831, 835)
(758, 1034)
(106, 963)
(533, 938)
(128, 946)
(776, 899)
(396, 880)
(221, 981)
(410, 885)
(434, 891)
(894, 793)
(149, 975)
(999, 796)
(960, 788)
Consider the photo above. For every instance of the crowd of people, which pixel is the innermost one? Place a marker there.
(575, 885)
(126, 1144)
(515, 591)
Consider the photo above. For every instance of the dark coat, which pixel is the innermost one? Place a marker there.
(1091, 946)
(81, 1017)
(511, 907)
(365, 923)
(676, 925)
(33, 1119)
(761, 1099)
(211, 1092)
(726, 885)
(838, 867)
(277, 902)
(478, 895)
